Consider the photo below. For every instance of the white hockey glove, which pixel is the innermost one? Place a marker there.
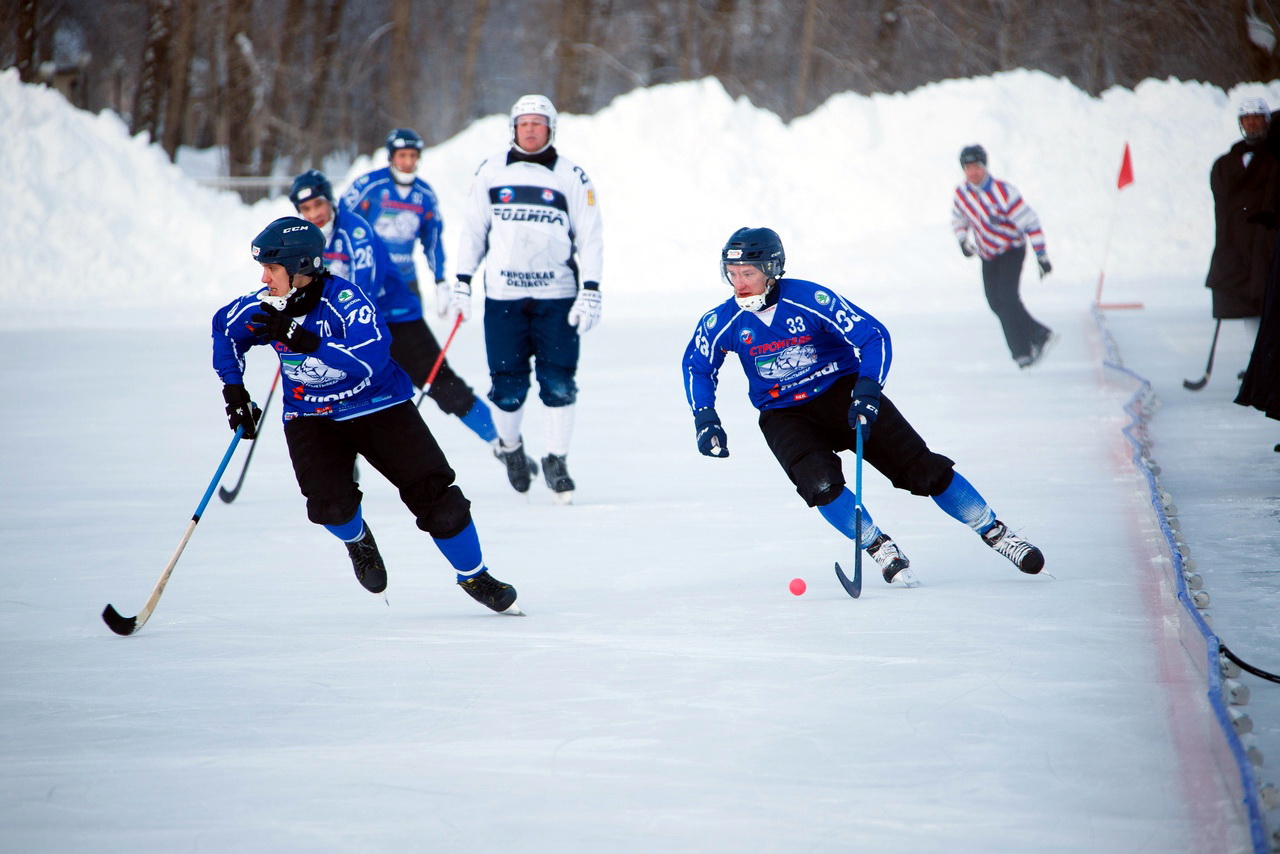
(585, 311)
(444, 296)
(460, 299)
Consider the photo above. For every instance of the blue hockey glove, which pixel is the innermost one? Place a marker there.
(241, 411)
(712, 441)
(865, 405)
(274, 325)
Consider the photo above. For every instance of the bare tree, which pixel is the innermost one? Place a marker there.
(148, 105)
(26, 48)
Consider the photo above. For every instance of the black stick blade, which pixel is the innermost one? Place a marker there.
(1197, 385)
(226, 495)
(118, 624)
(854, 587)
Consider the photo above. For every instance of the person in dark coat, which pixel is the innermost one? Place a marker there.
(1245, 188)
(1260, 387)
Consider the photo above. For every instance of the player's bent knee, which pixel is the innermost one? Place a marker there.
(508, 394)
(818, 479)
(557, 389)
(448, 516)
(929, 474)
(332, 511)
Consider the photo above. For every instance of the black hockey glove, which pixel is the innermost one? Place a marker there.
(241, 411)
(865, 405)
(712, 441)
(1045, 267)
(966, 248)
(275, 325)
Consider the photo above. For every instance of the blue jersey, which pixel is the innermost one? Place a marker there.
(400, 215)
(792, 352)
(357, 254)
(351, 374)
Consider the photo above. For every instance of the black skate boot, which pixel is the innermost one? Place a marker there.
(521, 469)
(558, 480)
(491, 593)
(1022, 554)
(371, 572)
(894, 565)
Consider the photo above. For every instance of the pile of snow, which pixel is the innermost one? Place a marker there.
(861, 187)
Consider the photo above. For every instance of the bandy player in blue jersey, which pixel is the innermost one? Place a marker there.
(815, 365)
(344, 395)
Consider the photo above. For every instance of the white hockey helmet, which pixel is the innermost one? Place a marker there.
(1254, 107)
(534, 105)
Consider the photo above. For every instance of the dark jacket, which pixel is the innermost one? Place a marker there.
(1245, 209)
(1261, 386)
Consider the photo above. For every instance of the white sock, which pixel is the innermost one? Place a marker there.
(559, 429)
(508, 426)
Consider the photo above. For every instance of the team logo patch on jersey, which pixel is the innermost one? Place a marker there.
(746, 336)
(359, 232)
(506, 194)
(710, 320)
(787, 363)
(548, 196)
(310, 371)
(344, 295)
(821, 297)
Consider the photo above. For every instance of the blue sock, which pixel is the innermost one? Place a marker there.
(463, 552)
(351, 531)
(961, 501)
(480, 421)
(840, 513)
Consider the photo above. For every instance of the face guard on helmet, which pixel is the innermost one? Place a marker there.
(760, 248)
(534, 105)
(294, 244)
(973, 154)
(1259, 114)
(309, 185)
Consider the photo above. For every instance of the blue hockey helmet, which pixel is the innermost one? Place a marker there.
(293, 243)
(308, 185)
(973, 154)
(403, 138)
(759, 247)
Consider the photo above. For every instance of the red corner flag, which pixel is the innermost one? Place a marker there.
(1126, 170)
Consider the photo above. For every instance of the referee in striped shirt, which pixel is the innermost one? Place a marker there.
(991, 220)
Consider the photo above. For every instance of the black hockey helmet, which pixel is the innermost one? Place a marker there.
(973, 154)
(403, 138)
(308, 185)
(293, 243)
(759, 247)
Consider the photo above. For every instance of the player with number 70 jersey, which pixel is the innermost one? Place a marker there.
(351, 373)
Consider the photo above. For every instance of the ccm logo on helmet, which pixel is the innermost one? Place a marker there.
(294, 228)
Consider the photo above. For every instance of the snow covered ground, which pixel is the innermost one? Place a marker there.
(666, 690)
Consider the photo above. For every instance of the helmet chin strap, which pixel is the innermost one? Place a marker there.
(757, 302)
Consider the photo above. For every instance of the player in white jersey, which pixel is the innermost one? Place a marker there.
(533, 218)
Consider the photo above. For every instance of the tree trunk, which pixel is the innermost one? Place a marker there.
(399, 76)
(466, 90)
(324, 55)
(238, 102)
(570, 59)
(26, 61)
(800, 95)
(179, 86)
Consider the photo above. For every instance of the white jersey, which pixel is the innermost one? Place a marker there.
(528, 221)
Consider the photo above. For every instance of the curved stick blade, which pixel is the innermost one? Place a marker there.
(118, 624)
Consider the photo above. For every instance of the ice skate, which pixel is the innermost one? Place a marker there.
(371, 572)
(521, 469)
(492, 593)
(1022, 554)
(893, 563)
(556, 472)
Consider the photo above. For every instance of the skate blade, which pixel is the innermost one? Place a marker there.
(562, 498)
(905, 578)
(513, 611)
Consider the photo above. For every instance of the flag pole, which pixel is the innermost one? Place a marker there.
(1125, 179)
